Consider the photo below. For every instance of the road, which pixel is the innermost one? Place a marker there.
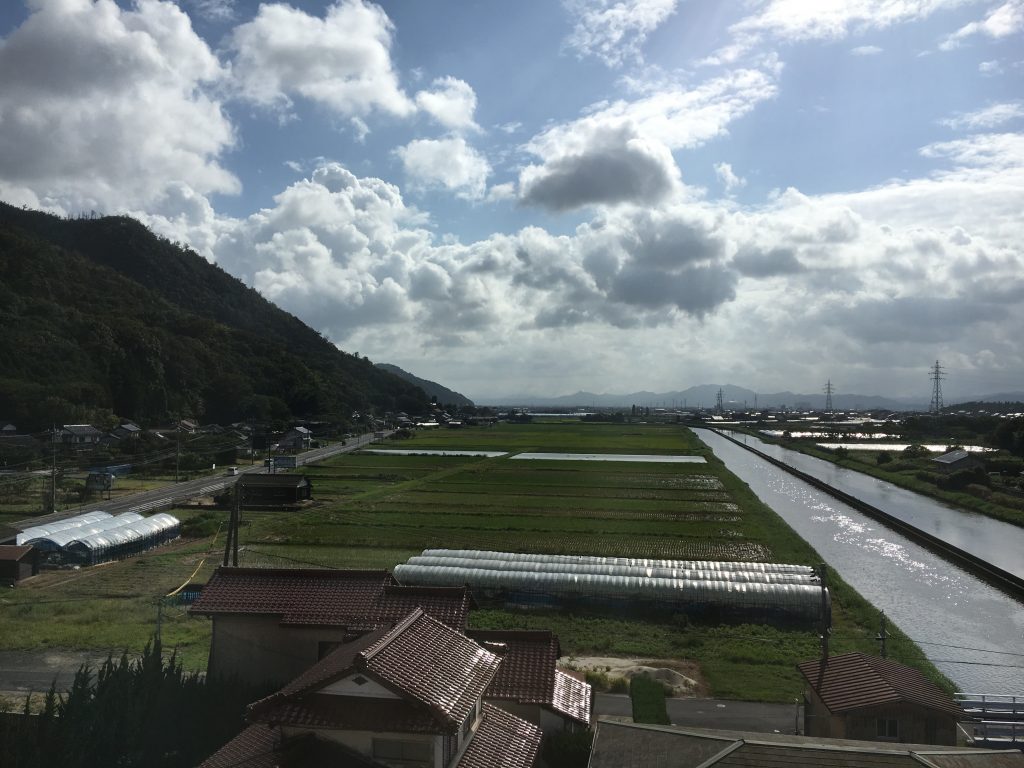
(167, 496)
(711, 713)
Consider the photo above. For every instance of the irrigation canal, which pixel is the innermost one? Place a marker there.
(938, 603)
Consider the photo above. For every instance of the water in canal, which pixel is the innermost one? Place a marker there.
(931, 599)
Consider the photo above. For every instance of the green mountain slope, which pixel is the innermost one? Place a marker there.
(443, 395)
(101, 317)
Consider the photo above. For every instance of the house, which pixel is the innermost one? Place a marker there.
(18, 563)
(955, 460)
(632, 745)
(270, 624)
(188, 426)
(126, 430)
(296, 439)
(856, 696)
(80, 435)
(528, 683)
(6, 428)
(407, 696)
(276, 490)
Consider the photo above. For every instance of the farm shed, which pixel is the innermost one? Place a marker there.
(276, 490)
(740, 587)
(17, 563)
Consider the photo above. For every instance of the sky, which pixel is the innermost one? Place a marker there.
(540, 197)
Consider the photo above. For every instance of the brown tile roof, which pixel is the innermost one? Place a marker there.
(353, 599)
(855, 680)
(528, 673)
(434, 664)
(502, 740)
(440, 671)
(261, 747)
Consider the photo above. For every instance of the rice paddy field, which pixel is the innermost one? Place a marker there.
(375, 511)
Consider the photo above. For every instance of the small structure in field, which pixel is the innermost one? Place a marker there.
(276, 490)
(17, 563)
(870, 698)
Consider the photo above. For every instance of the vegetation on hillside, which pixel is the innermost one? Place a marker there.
(104, 319)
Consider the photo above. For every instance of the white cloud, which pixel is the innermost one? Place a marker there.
(615, 30)
(105, 108)
(359, 129)
(450, 163)
(990, 68)
(451, 102)
(728, 177)
(799, 21)
(866, 50)
(341, 61)
(621, 152)
(215, 10)
(511, 127)
(989, 117)
(1001, 21)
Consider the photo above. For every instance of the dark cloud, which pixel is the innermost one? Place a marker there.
(694, 290)
(918, 319)
(754, 262)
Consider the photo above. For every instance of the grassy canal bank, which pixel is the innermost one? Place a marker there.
(375, 511)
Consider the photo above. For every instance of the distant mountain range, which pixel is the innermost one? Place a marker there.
(705, 396)
(443, 395)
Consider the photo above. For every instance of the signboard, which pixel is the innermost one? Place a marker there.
(284, 462)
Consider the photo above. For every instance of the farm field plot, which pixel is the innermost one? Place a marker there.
(375, 511)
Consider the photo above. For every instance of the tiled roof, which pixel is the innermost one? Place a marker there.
(432, 663)
(572, 697)
(855, 680)
(528, 658)
(502, 740)
(261, 747)
(320, 597)
(440, 673)
(528, 675)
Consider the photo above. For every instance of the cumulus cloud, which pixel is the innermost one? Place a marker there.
(866, 50)
(341, 61)
(613, 164)
(621, 152)
(451, 102)
(1002, 21)
(106, 108)
(614, 30)
(450, 163)
(728, 177)
(991, 116)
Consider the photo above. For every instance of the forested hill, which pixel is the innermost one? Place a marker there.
(442, 394)
(102, 318)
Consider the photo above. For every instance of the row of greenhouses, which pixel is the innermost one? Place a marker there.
(97, 537)
(731, 587)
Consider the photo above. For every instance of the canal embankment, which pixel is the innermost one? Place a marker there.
(1010, 582)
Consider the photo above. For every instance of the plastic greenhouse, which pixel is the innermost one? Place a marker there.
(102, 537)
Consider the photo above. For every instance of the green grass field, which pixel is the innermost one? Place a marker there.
(375, 511)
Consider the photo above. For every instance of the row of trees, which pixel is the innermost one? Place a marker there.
(129, 713)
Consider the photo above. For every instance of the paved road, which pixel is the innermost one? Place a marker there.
(711, 713)
(167, 496)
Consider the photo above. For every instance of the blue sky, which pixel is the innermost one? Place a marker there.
(542, 197)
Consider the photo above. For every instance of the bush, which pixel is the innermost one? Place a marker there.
(648, 698)
(883, 457)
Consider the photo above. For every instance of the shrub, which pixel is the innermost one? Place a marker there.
(648, 698)
(883, 457)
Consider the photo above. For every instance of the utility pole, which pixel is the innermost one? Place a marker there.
(177, 450)
(53, 472)
(882, 635)
(937, 375)
(828, 398)
(826, 628)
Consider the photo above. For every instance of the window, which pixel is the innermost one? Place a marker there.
(887, 728)
(408, 754)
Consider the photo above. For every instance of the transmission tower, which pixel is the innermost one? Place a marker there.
(828, 397)
(718, 402)
(937, 375)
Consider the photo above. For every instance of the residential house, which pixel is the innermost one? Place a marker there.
(80, 435)
(408, 696)
(270, 624)
(276, 490)
(870, 698)
(126, 430)
(529, 684)
(6, 428)
(296, 439)
(632, 745)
